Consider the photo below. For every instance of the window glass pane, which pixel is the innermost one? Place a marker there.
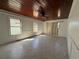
(15, 26)
(14, 22)
(58, 24)
(15, 30)
(35, 27)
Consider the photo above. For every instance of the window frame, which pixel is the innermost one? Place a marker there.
(35, 27)
(20, 27)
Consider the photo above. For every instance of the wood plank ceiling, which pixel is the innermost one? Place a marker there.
(39, 9)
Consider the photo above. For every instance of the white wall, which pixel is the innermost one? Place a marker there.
(4, 28)
(27, 26)
(73, 36)
(73, 31)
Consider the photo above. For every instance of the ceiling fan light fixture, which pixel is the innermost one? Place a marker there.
(59, 13)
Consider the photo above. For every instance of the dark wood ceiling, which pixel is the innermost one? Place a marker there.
(25, 7)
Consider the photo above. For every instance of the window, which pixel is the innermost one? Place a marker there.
(35, 27)
(15, 26)
(58, 25)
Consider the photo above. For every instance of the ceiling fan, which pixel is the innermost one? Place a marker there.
(38, 8)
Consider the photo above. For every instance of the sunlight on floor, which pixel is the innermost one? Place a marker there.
(28, 39)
